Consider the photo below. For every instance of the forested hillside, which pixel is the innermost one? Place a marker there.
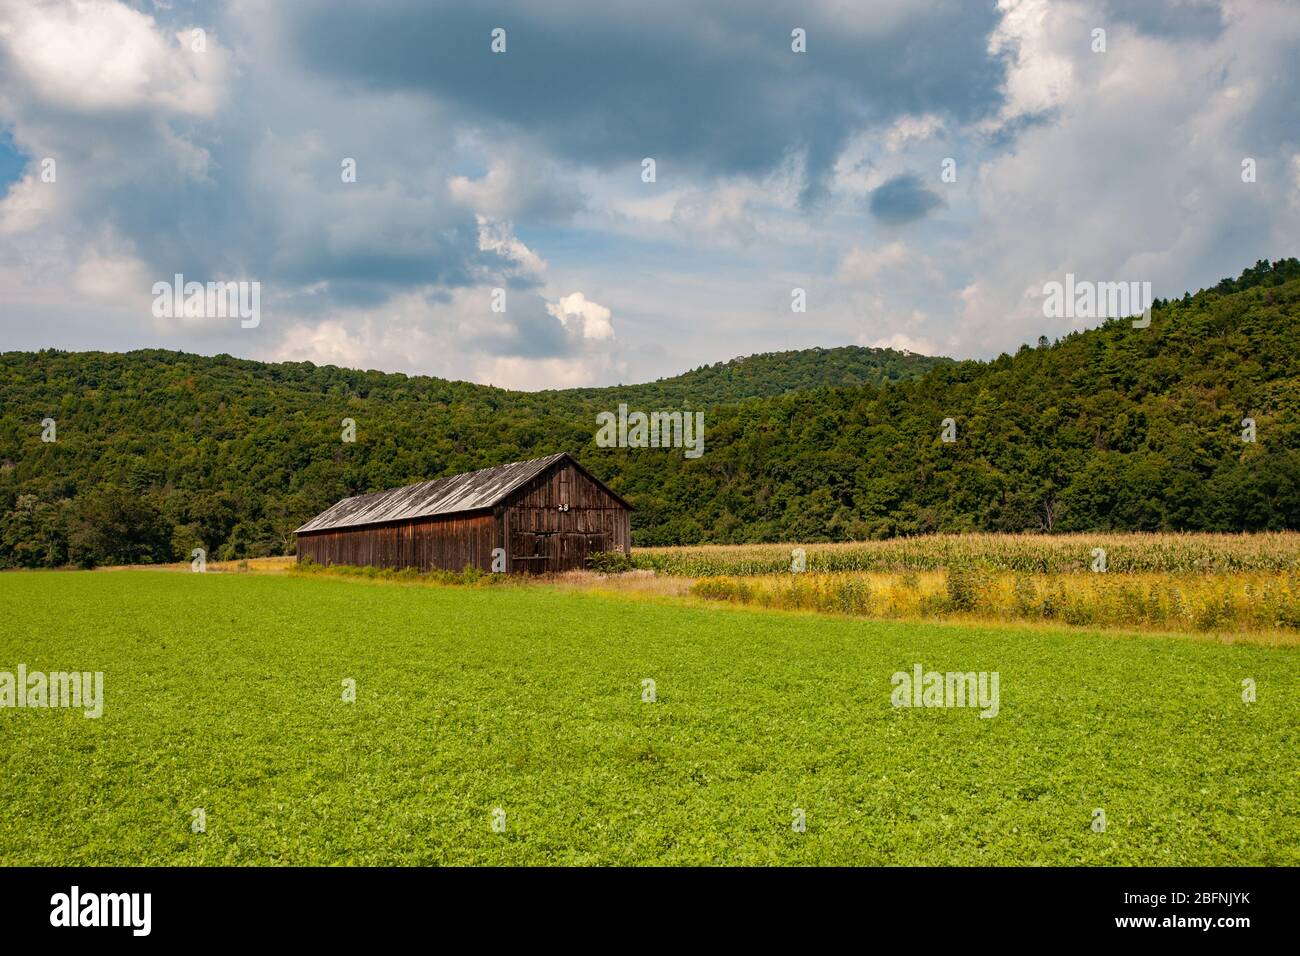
(1115, 428)
(772, 373)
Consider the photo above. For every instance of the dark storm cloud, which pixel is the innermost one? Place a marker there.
(903, 199)
(711, 90)
(522, 170)
(1272, 124)
(1169, 18)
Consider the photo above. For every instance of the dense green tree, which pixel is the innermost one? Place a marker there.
(113, 525)
(1114, 428)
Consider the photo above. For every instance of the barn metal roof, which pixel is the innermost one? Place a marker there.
(470, 491)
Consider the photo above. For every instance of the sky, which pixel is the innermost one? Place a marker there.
(919, 169)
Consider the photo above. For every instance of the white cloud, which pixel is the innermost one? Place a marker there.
(1136, 175)
(499, 237)
(409, 333)
(723, 212)
(530, 373)
(862, 265)
(26, 205)
(902, 342)
(910, 129)
(518, 183)
(324, 343)
(1037, 37)
(226, 165)
(111, 274)
(589, 319)
(489, 195)
(97, 55)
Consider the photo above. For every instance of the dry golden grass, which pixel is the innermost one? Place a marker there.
(273, 565)
(631, 582)
(1258, 603)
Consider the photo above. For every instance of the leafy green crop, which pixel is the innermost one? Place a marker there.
(224, 692)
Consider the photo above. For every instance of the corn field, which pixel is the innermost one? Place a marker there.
(1022, 553)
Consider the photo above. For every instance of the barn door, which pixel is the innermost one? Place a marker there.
(538, 553)
(559, 553)
(528, 552)
(570, 551)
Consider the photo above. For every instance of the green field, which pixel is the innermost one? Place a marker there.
(223, 691)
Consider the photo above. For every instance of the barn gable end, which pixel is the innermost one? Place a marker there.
(560, 517)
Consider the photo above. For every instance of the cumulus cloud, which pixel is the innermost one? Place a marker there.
(1139, 175)
(101, 55)
(518, 184)
(902, 342)
(499, 238)
(532, 375)
(1041, 68)
(25, 205)
(588, 319)
(111, 273)
(326, 343)
(521, 171)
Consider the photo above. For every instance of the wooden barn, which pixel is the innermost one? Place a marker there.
(547, 514)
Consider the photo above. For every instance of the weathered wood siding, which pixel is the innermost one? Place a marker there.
(552, 523)
(451, 543)
(559, 518)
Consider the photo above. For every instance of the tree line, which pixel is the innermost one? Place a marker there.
(1114, 429)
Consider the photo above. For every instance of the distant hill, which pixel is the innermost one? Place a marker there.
(1114, 428)
(772, 373)
(159, 452)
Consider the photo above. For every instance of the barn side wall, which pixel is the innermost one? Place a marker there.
(449, 543)
(542, 537)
